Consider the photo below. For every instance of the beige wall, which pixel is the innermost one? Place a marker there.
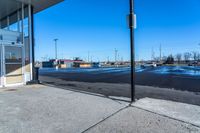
(85, 65)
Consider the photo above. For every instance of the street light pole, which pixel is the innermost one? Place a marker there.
(56, 48)
(131, 25)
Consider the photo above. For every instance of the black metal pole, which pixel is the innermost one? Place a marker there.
(33, 45)
(35, 71)
(131, 22)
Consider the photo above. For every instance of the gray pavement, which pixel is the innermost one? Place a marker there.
(134, 120)
(43, 109)
(184, 112)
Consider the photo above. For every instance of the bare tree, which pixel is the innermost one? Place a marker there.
(195, 55)
(198, 57)
(178, 57)
(157, 59)
(164, 58)
(170, 59)
(187, 56)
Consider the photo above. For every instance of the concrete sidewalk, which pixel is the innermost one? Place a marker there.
(43, 109)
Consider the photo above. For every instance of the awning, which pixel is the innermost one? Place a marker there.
(40, 5)
(7, 7)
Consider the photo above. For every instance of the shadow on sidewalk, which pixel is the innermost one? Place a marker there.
(121, 92)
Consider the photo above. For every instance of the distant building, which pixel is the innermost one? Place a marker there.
(96, 64)
(85, 65)
(67, 63)
(47, 64)
(61, 63)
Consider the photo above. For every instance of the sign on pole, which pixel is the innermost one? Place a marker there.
(133, 22)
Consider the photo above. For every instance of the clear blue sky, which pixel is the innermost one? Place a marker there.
(100, 26)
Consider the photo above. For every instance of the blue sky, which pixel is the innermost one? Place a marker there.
(100, 26)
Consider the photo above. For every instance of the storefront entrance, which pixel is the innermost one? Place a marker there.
(11, 67)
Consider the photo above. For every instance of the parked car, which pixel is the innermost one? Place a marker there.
(149, 64)
(195, 63)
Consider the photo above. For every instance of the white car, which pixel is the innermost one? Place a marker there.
(149, 65)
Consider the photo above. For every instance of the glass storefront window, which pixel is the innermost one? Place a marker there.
(13, 54)
(13, 69)
(27, 54)
(13, 64)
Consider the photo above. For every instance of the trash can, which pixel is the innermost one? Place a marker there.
(35, 77)
(36, 74)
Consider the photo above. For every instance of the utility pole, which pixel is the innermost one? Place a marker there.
(56, 48)
(108, 59)
(88, 56)
(62, 56)
(122, 59)
(116, 51)
(131, 25)
(91, 58)
(198, 53)
(152, 54)
(199, 44)
(56, 56)
(160, 52)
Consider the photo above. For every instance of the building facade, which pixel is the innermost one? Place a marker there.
(17, 39)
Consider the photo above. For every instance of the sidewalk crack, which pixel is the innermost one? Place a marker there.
(104, 119)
